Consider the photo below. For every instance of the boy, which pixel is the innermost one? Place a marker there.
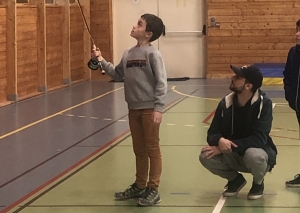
(291, 87)
(145, 85)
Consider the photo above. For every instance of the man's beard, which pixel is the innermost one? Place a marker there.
(237, 90)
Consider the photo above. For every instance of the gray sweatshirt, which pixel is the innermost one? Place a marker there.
(144, 75)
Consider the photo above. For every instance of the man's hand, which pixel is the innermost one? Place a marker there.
(96, 53)
(210, 151)
(225, 145)
(157, 117)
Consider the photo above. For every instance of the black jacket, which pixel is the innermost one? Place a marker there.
(259, 123)
(291, 78)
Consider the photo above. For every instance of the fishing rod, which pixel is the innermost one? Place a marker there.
(93, 63)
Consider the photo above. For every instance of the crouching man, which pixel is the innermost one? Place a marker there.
(238, 137)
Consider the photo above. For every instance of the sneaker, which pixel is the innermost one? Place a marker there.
(149, 198)
(234, 186)
(256, 191)
(295, 182)
(131, 192)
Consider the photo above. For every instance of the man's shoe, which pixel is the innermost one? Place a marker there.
(256, 191)
(149, 198)
(295, 182)
(234, 186)
(131, 192)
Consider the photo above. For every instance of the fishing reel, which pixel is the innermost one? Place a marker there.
(94, 64)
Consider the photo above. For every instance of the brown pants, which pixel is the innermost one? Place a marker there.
(145, 139)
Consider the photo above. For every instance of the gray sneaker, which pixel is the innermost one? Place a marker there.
(149, 198)
(130, 193)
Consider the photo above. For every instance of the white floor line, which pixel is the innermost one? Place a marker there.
(219, 205)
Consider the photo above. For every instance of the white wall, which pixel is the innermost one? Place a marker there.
(125, 15)
(183, 53)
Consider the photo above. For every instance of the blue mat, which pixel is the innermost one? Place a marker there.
(272, 72)
(271, 69)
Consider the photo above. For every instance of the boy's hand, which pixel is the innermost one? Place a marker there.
(157, 117)
(96, 53)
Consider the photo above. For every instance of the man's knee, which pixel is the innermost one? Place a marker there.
(208, 163)
(255, 156)
(203, 160)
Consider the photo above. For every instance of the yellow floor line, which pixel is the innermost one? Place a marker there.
(216, 99)
(55, 114)
(192, 96)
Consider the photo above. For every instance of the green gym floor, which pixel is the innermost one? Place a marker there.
(87, 184)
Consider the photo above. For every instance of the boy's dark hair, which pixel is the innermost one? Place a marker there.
(154, 25)
(298, 23)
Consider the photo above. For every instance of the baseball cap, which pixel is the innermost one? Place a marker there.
(251, 73)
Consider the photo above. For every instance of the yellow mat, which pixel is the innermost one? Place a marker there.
(272, 81)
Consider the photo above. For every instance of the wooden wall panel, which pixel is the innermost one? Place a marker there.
(27, 77)
(102, 30)
(3, 74)
(251, 31)
(42, 48)
(54, 46)
(77, 47)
